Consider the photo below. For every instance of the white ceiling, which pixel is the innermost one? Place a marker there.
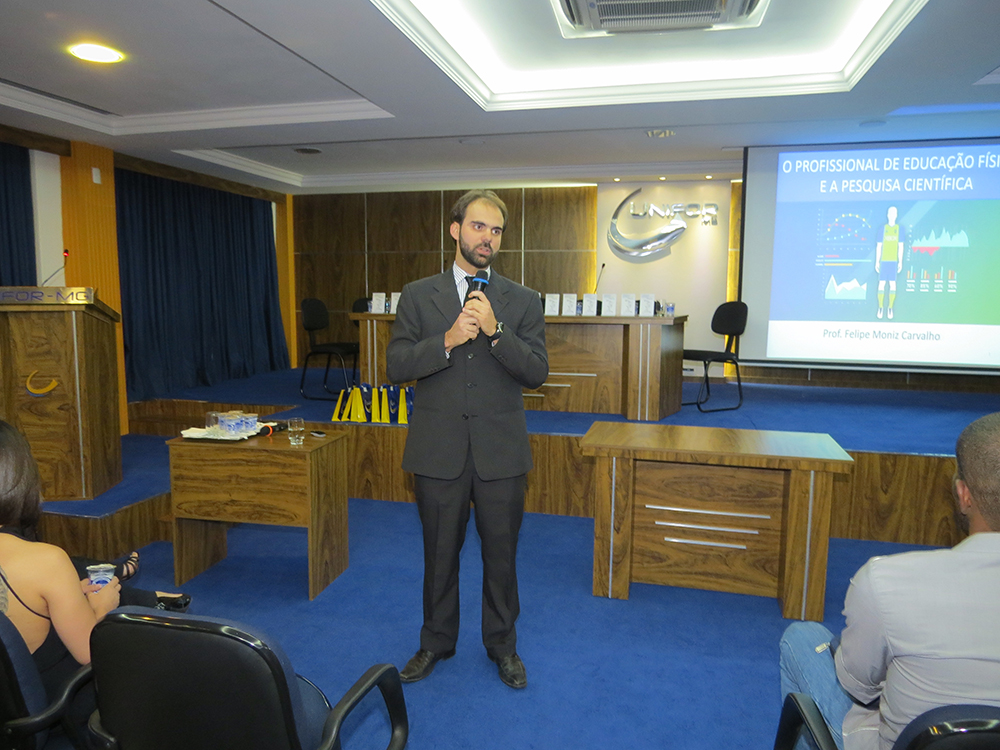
(418, 94)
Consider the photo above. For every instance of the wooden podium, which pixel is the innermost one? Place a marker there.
(59, 386)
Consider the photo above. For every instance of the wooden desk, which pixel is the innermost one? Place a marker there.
(261, 480)
(628, 366)
(746, 511)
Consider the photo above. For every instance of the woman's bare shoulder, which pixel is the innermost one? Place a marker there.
(36, 559)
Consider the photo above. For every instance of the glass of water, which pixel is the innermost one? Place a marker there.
(296, 430)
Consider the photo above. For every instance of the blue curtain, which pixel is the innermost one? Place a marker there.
(17, 221)
(199, 283)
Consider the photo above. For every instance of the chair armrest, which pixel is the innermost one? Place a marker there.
(54, 712)
(99, 735)
(800, 711)
(386, 678)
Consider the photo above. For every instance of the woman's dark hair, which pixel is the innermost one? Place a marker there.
(20, 486)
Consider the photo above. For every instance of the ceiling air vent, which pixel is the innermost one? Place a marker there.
(619, 16)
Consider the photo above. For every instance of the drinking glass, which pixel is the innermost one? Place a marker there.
(296, 430)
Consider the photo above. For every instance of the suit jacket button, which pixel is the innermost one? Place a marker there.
(465, 416)
(471, 355)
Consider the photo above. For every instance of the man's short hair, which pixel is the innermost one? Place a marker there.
(978, 455)
(463, 203)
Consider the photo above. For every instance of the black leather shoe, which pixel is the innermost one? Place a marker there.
(511, 670)
(174, 603)
(422, 664)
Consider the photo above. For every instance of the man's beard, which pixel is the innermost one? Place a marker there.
(469, 253)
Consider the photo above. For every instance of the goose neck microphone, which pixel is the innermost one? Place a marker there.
(599, 275)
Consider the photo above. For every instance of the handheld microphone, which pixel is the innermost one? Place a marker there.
(478, 284)
(599, 275)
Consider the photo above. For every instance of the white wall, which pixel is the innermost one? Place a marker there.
(692, 273)
(46, 195)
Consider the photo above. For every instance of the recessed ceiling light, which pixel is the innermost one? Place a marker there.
(662, 179)
(708, 177)
(618, 179)
(96, 53)
(307, 150)
(662, 133)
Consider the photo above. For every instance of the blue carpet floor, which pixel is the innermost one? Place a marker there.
(669, 668)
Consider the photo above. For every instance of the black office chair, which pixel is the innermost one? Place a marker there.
(25, 713)
(202, 683)
(316, 317)
(956, 727)
(730, 320)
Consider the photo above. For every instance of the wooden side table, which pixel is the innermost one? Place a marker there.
(262, 480)
(745, 511)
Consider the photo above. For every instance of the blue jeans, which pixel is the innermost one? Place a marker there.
(804, 670)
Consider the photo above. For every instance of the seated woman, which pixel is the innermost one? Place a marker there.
(40, 590)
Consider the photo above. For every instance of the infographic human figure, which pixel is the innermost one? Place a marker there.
(888, 261)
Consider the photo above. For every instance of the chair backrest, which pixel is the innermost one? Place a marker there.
(730, 319)
(181, 680)
(315, 316)
(958, 727)
(21, 691)
(360, 305)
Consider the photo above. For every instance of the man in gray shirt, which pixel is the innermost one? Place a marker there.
(921, 626)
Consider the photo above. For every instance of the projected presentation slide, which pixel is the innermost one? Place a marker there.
(887, 255)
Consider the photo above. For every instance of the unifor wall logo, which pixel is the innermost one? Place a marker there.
(659, 240)
(35, 390)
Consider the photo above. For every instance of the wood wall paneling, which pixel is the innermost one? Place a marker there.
(167, 417)
(330, 223)
(551, 272)
(409, 221)
(284, 242)
(90, 234)
(393, 270)
(560, 218)
(896, 498)
(113, 535)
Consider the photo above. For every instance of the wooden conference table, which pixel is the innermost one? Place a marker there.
(262, 480)
(745, 511)
(628, 366)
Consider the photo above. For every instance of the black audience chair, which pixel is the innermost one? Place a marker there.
(25, 712)
(201, 683)
(729, 320)
(315, 318)
(956, 727)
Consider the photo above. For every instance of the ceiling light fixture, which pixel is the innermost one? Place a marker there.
(96, 53)
(662, 179)
(708, 177)
(307, 150)
(661, 133)
(617, 179)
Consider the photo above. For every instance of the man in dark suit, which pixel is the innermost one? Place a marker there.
(471, 355)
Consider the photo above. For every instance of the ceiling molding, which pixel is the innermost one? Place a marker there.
(244, 165)
(55, 109)
(550, 176)
(171, 122)
(244, 117)
(841, 76)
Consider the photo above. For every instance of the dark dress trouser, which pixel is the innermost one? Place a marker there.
(444, 514)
